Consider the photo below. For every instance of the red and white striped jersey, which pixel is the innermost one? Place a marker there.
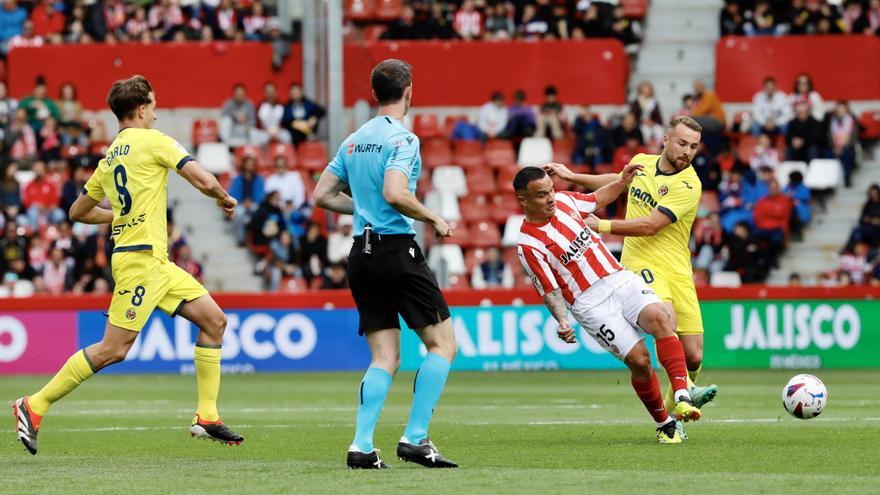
(564, 253)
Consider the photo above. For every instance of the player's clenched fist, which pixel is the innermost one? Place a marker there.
(630, 171)
(227, 204)
(565, 332)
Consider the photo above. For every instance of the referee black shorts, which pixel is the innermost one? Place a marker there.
(394, 279)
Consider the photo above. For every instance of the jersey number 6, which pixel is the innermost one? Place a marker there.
(121, 179)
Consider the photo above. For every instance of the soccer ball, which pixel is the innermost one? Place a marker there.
(804, 397)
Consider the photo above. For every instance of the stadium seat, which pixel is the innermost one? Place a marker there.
(253, 151)
(450, 179)
(708, 204)
(449, 123)
(499, 153)
(427, 125)
(481, 181)
(746, 144)
(205, 131)
(563, 148)
(468, 154)
(359, 10)
(634, 9)
(824, 173)
(435, 152)
(99, 149)
(511, 230)
(388, 10)
(293, 284)
(726, 279)
(474, 208)
(484, 235)
(312, 155)
(869, 121)
(504, 205)
(445, 204)
(73, 151)
(535, 151)
(473, 258)
(215, 157)
(505, 177)
(784, 169)
(374, 32)
(458, 282)
(283, 149)
(446, 259)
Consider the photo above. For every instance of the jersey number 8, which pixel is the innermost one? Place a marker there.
(121, 179)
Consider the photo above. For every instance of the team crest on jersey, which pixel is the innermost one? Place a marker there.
(130, 314)
(664, 190)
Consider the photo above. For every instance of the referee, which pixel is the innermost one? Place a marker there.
(381, 165)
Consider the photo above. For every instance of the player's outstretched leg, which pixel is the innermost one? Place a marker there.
(385, 349)
(430, 380)
(644, 382)
(208, 316)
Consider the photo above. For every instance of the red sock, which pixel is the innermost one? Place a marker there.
(649, 392)
(671, 356)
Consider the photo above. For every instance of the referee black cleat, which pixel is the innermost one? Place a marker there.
(425, 454)
(359, 460)
(27, 424)
(214, 430)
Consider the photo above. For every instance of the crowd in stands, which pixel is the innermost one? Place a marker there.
(800, 17)
(501, 20)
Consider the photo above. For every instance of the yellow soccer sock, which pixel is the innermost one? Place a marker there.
(207, 360)
(75, 371)
(693, 375)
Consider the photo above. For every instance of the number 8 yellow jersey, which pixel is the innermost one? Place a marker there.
(133, 177)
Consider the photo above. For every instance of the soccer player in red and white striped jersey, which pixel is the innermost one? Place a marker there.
(572, 269)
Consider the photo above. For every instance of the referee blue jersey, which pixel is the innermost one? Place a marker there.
(380, 145)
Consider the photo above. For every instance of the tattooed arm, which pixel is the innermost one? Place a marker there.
(556, 304)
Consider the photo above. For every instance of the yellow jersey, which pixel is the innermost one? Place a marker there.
(133, 177)
(675, 195)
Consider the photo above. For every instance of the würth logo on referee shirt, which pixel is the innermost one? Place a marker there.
(364, 148)
(578, 247)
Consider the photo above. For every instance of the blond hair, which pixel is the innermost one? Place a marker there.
(686, 121)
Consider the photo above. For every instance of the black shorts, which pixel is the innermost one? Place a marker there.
(394, 279)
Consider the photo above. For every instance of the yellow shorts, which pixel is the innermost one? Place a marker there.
(678, 290)
(143, 283)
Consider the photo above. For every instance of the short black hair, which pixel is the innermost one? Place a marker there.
(796, 177)
(389, 79)
(519, 95)
(526, 176)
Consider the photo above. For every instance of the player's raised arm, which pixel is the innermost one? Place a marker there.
(589, 181)
(395, 190)
(609, 192)
(208, 185)
(330, 196)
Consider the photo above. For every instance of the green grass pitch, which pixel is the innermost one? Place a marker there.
(543, 432)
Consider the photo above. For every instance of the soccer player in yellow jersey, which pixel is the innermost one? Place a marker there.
(662, 203)
(133, 178)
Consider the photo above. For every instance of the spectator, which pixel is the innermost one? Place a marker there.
(804, 92)
(138, 28)
(746, 257)
(592, 24)
(798, 18)
(732, 23)
(313, 252)
(492, 118)
(708, 244)
(115, 16)
(842, 135)
(687, 105)
(440, 24)
(8, 106)
(57, 273)
(707, 169)
(647, 112)
(70, 112)
(50, 142)
(468, 21)
(856, 263)
(591, 140)
(844, 279)
(67, 242)
(734, 194)
(520, 117)
(853, 20)
(39, 107)
(301, 115)
(288, 183)
(804, 135)
(72, 188)
(628, 129)
(771, 110)
(873, 17)
(268, 221)
(248, 188)
(772, 217)
(339, 242)
(800, 198)
(868, 229)
(279, 42)
(226, 21)
(13, 246)
(762, 23)
(270, 115)
(334, 277)
(41, 198)
(493, 272)
(761, 188)
(707, 109)
(256, 22)
(185, 261)
(27, 38)
(624, 154)
(532, 26)
(12, 18)
(238, 121)
(76, 31)
(20, 139)
(10, 194)
(764, 154)
(549, 119)
(499, 23)
(37, 254)
(404, 28)
(628, 31)
(794, 279)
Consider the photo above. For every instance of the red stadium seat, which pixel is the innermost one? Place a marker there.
(388, 10)
(72, 151)
(481, 181)
(263, 164)
(435, 153)
(459, 282)
(473, 258)
(870, 124)
(99, 149)
(504, 205)
(359, 10)
(312, 155)
(374, 32)
(293, 284)
(427, 125)
(475, 208)
(484, 235)
(746, 144)
(308, 182)
(563, 149)
(505, 178)
(709, 203)
(283, 149)
(450, 121)
(499, 153)
(634, 9)
(468, 154)
(205, 131)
